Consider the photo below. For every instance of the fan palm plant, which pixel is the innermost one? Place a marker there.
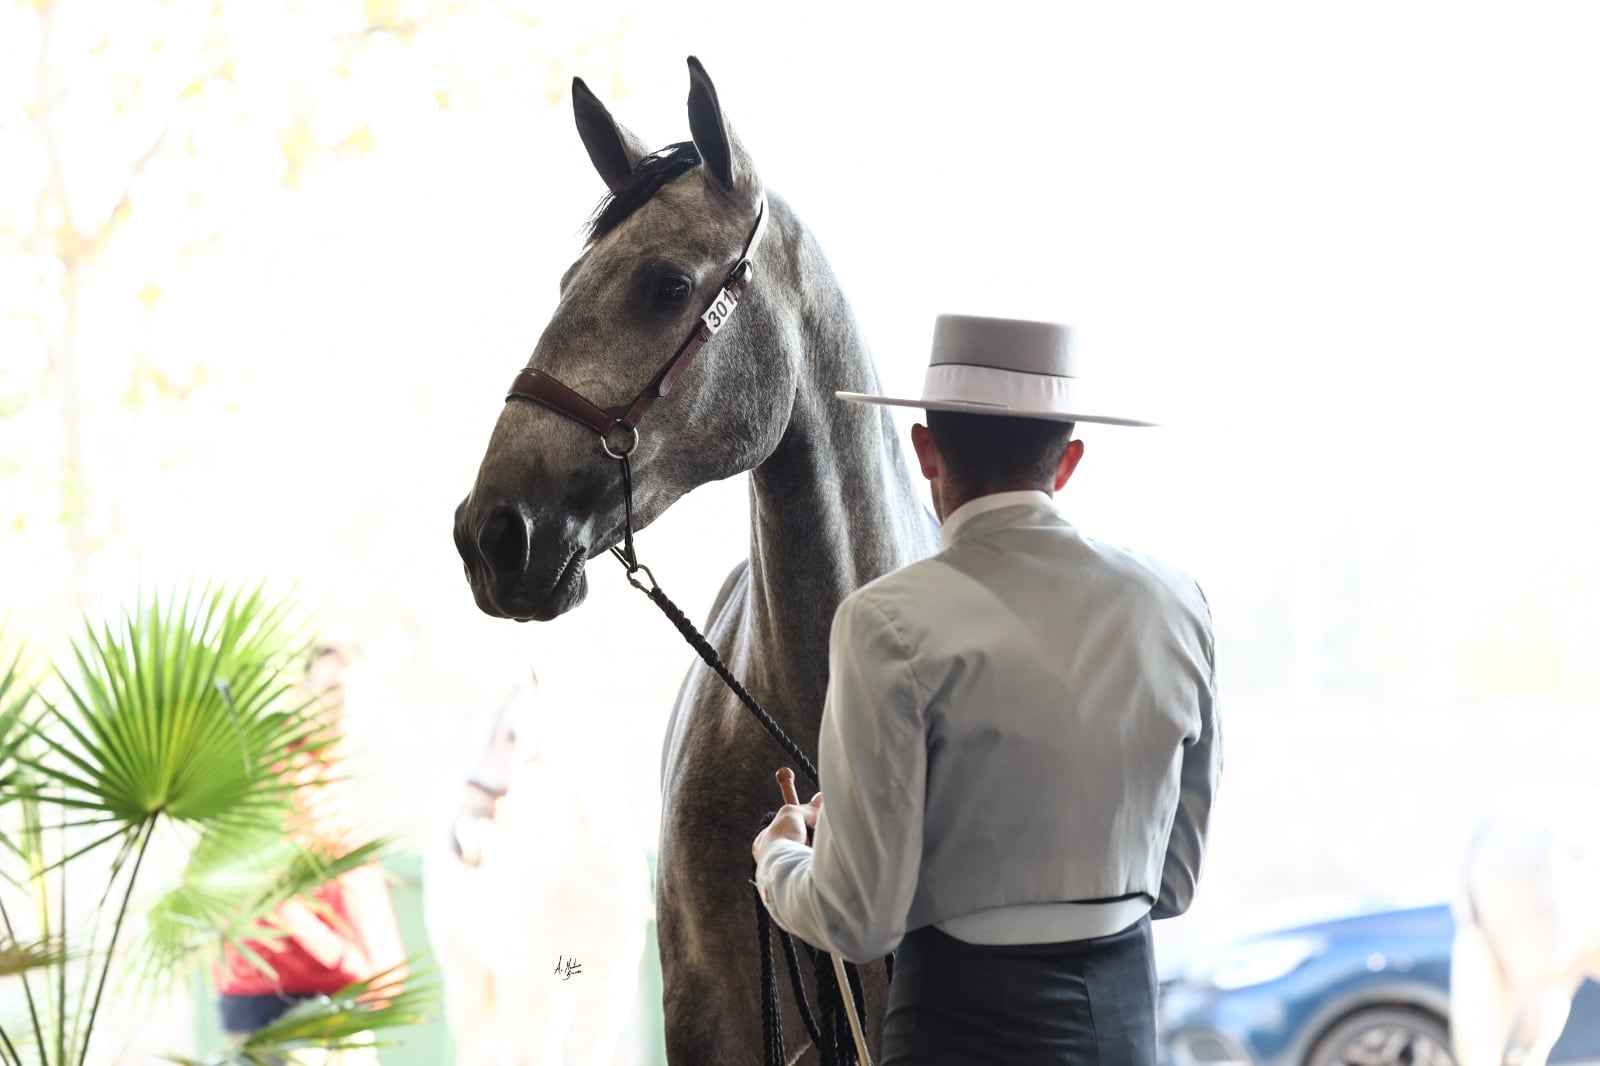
(176, 721)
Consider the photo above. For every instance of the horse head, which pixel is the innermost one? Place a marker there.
(549, 496)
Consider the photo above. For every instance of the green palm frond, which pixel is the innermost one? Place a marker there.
(16, 697)
(338, 1022)
(232, 880)
(17, 959)
(184, 713)
(180, 709)
(19, 814)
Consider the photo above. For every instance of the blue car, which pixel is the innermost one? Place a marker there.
(1369, 989)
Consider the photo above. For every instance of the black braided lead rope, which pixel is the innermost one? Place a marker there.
(828, 997)
(687, 628)
(853, 975)
(791, 957)
(838, 1042)
(833, 1032)
(832, 1037)
(713, 660)
(771, 1018)
(836, 1030)
(629, 558)
(796, 980)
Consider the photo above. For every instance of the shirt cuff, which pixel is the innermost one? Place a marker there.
(780, 860)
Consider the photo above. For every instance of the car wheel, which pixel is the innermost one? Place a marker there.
(1384, 1036)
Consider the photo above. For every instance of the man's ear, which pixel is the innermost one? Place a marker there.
(1069, 463)
(927, 451)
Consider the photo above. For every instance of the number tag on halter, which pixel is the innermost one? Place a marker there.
(720, 311)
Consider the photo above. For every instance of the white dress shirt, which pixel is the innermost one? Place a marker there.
(1019, 744)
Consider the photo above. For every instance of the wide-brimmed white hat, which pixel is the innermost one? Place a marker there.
(1003, 366)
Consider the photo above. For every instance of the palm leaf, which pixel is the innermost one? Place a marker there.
(17, 959)
(177, 709)
(16, 697)
(15, 780)
(338, 1022)
(179, 712)
(21, 835)
(231, 881)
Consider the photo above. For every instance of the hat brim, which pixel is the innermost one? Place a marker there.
(992, 409)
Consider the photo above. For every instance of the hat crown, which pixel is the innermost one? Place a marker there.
(1012, 344)
(1003, 366)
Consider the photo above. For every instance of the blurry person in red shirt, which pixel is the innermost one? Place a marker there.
(348, 932)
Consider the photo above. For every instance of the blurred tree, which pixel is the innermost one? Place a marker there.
(138, 133)
(122, 111)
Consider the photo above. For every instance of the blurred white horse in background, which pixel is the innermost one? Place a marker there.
(537, 900)
(1527, 927)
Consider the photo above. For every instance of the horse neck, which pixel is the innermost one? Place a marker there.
(833, 507)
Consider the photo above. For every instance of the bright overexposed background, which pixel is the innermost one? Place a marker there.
(266, 267)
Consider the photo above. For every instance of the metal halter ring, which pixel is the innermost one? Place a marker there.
(633, 441)
(636, 583)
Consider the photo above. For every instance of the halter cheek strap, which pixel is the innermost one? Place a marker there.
(620, 425)
(542, 388)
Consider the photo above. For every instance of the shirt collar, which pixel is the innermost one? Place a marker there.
(983, 504)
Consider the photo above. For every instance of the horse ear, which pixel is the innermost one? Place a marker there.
(612, 149)
(714, 138)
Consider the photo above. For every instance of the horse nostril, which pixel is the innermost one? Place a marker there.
(504, 540)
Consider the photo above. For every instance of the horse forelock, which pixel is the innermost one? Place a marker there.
(653, 171)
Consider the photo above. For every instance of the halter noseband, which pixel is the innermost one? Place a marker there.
(542, 388)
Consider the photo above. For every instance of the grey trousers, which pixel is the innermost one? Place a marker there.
(1084, 1002)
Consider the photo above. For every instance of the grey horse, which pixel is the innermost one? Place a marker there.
(832, 507)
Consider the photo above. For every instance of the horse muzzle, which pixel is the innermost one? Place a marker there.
(521, 565)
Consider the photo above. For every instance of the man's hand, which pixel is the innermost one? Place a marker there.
(792, 818)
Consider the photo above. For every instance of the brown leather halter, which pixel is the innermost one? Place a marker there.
(542, 388)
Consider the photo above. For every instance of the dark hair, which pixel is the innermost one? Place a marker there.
(320, 652)
(993, 453)
(652, 172)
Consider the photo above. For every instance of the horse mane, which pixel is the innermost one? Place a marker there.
(653, 171)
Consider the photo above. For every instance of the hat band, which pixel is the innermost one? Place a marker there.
(1017, 390)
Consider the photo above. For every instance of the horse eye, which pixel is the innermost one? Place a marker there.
(673, 290)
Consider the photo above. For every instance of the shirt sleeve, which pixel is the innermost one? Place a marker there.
(850, 893)
(1201, 773)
